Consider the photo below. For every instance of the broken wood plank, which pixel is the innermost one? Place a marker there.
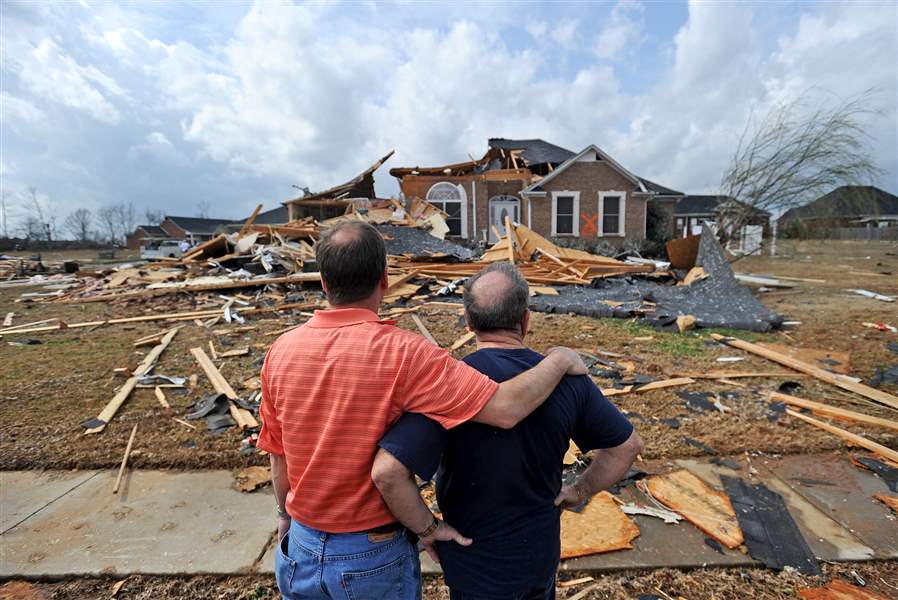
(708, 509)
(185, 423)
(212, 350)
(243, 417)
(160, 396)
(235, 352)
(835, 379)
(734, 374)
(852, 438)
(121, 469)
(146, 365)
(509, 231)
(18, 328)
(250, 220)
(423, 329)
(7, 321)
(462, 341)
(833, 412)
(573, 582)
(654, 385)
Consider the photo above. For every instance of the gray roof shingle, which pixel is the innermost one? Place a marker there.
(535, 151)
(198, 225)
(847, 201)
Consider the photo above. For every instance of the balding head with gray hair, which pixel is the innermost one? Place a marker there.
(496, 298)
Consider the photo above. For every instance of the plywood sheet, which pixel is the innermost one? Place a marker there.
(708, 509)
(601, 527)
(839, 590)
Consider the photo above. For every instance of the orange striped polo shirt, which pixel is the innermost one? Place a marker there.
(332, 388)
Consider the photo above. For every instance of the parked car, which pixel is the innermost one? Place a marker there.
(165, 249)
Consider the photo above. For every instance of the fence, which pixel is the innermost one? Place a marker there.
(865, 233)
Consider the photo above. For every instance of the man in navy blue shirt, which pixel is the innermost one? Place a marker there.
(499, 488)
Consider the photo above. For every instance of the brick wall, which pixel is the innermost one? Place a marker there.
(589, 178)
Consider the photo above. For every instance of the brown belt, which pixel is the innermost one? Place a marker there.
(381, 529)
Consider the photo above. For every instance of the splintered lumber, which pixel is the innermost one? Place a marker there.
(575, 582)
(185, 423)
(852, 438)
(601, 527)
(121, 469)
(708, 509)
(423, 329)
(145, 366)
(509, 231)
(250, 220)
(243, 417)
(838, 590)
(736, 374)
(655, 385)
(160, 396)
(833, 412)
(890, 501)
(835, 379)
(235, 352)
(7, 321)
(23, 326)
(462, 341)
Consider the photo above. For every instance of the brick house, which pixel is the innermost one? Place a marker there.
(693, 210)
(555, 192)
(845, 206)
(143, 234)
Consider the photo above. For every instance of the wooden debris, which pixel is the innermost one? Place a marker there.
(149, 361)
(851, 438)
(121, 469)
(117, 587)
(665, 515)
(763, 281)
(833, 412)
(185, 423)
(654, 385)
(685, 323)
(212, 350)
(601, 527)
(7, 321)
(570, 457)
(838, 590)
(235, 352)
(836, 379)
(423, 329)
(874, 295)
(250, 479)
(160, 396)
(251, 220)
(735, 374)
(243, 417)
(462, 341)
(837, 362)
(694, 274)
(574, 582)
(890, 501)
(708, 509)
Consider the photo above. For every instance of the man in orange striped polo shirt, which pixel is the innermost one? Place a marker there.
(330, 390)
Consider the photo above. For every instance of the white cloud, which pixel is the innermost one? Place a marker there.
(564, 31)
(623, 31)
(47, 71)
(537, 29)
(157, 147)
(18, 112)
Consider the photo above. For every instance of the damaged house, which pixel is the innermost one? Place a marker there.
(557, 193)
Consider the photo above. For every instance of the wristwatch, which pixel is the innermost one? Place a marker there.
(282, 512)
(430, 529)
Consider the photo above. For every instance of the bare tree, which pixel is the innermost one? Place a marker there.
(78, 224)
(108, 217)
(202, 209)
(42, 213)
(795, 154)
(32, 229)
(153, 217)
(124, 213)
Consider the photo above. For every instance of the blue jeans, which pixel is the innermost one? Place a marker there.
(311, 564)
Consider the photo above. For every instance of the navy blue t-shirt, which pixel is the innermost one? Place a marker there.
(498, 486)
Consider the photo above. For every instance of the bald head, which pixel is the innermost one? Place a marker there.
(352, 258)
(496, 298)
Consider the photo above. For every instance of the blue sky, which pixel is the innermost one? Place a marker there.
(170, 105)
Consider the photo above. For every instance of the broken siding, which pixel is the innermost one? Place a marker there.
(589, 178)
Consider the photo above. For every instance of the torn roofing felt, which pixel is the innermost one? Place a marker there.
(718, 300)
(417, 242)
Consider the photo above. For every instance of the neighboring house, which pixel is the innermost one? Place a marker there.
(846, 206)
(193, 229)
(554, 191)
(144, 234)
(693, 210)
(275, 216)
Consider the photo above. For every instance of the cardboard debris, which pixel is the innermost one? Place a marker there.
(250, 479)
(708, 509)
(601, 527)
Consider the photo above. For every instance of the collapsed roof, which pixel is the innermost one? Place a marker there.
(360, 186)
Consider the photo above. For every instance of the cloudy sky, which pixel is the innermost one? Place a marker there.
(170, 105)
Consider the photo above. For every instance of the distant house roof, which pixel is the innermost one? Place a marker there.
(847, 201)
(275, 216)
(535, 151)
(198, 225)
(658, 188)
(153, 230)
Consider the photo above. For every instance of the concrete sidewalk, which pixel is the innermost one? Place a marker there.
(57, 524)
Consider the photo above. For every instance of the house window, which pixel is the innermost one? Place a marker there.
(611, 213)
(451, 199)
(565, 209)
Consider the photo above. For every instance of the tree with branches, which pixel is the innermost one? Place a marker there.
(153, 216)
(798, 152)
(108, 218)
(78, 224)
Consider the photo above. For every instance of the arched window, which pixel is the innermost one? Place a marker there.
(500, 207)
(450, 198)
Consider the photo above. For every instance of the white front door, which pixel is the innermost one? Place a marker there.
(500, 207)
